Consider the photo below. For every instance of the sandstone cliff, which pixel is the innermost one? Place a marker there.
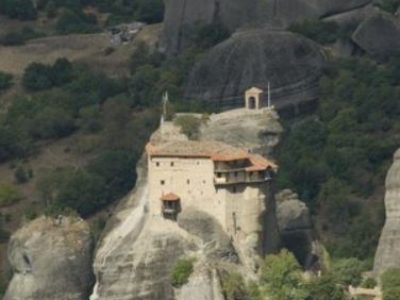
(135, 258)
(388, 253)
(292, 63)
(51, 260)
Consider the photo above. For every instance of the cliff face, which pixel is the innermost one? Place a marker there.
(388, 253)
(181, 15)
(136, 256)
(51, 259)
(296, 229)
(293, 65)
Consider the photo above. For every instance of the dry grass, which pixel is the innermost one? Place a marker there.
(84, 48)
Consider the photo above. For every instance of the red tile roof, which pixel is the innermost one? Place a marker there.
(215, 151)
(169, 197)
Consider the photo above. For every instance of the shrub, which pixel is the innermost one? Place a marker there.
(37, 77)
(5, 80)
(52, 123)
(204, 36)
(325, 288)
(190, 126)
(117, 169)
(348, 271)
(181, 272)
(9, 194)
(21, 175)
(233, 286)
(82, 192)
(72, 21)
(281, 277)
(369, 283)
(15, 38)
(9, 144)
(391, 284)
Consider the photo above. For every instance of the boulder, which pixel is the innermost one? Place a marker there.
(139, 268)
(296, 229)
(288, 12)
(51, 259)
(379, 35)
(388, 252)
(290, 62)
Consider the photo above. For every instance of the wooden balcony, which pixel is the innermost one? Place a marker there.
(242, 179)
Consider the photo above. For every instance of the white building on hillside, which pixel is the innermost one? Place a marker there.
(226, 182)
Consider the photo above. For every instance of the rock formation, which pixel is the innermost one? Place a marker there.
(135, 258)
(203, 285)
(259, 132)
(293, 65)
(51, 259)
(388, 253)
(218, 244)
(379, 35)
(181, 15)
(296, 228)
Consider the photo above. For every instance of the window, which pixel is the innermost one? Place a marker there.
(236, 174)
(219, 175)
(157, 164)
(204, 182)
(172, 163)
(162, 182)
(188, 181)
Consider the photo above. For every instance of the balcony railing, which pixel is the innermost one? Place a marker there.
(242, 179)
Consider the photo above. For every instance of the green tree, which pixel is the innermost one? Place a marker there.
(117, 169)
(391, 284)
(18, 9)
(326, 288)
(348, 271)
(21, 175)
(5, 80)
(9, 194)
(9, 144)
(83, 192)
(233, 286)
(37, 77)
(61, 72)
(52, 122)
(190, 126)
(281, 277)
(75, 21)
